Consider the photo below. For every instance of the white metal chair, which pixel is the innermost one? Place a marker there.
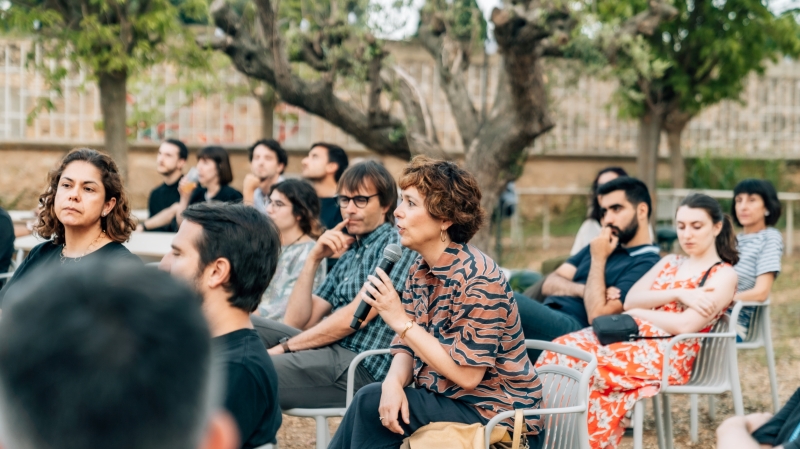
(715, 371)
(565, 400)
(321, 415)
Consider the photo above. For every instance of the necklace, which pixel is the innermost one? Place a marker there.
(76, 259)
(296, 240)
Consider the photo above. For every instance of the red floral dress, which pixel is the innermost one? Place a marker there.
(630, 371)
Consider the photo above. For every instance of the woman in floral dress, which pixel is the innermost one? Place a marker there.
(665, 301)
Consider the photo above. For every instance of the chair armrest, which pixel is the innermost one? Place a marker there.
(6, 275)
(351, 371)
(766, 302)
(681, 337)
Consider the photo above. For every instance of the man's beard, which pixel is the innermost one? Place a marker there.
(627, 234)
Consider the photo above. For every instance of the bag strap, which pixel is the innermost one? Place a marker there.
(705, 276)
(519, 421)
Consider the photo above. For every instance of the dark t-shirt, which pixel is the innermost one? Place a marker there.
(779, 429)
(226, 194)
(161, 198)
(623, 268)
(252, 386)
(330, 215)
(6, 242)
(48, 253)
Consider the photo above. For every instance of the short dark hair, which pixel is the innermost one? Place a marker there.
(596, 214)
(766, 191)
(635, 191)
(359, 174)
(273, 145)
(336, 155)
(183, 152)
(305, 204)
(105, 355)
(220, 157)
(247, 238)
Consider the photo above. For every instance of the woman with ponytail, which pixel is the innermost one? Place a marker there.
(679, 295)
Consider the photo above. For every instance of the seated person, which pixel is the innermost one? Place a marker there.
(667, 301)
(756, 208)
(294, 208)
(268, 159)
(6, 243)
(172, 155)
(312, 354)
(228, 253)
(760, 430)
(108, 355)
(458, 338)
(591, 227)
(596, 281)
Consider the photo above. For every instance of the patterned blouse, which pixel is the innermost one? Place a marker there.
(290, 263)
(466, 303)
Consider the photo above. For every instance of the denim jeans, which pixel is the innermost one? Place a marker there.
(540, 322)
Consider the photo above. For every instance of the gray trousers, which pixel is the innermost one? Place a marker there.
(313, 378)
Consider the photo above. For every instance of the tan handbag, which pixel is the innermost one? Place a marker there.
(450, 435)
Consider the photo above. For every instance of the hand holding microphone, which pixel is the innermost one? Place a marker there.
(379, 291)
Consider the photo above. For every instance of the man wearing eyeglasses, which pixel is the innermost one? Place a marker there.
(314, 346)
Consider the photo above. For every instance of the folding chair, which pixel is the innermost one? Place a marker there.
(715, 371)
(321, 415)
(565, 400)
(759, 335)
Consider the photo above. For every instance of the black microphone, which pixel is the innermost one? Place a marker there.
(391, 255)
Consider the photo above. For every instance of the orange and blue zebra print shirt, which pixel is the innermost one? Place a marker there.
(466, 303)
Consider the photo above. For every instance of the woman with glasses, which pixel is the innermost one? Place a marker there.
(294, 208)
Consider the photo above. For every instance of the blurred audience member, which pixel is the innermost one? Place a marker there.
(267, 163)
(228, 253)
(108, 355)
(85, 216)
(756, 208)
(760, 430)
(294, 208)
(172, 155)
(324, 166)
(591, 227)
(6, 242)
(213, 174)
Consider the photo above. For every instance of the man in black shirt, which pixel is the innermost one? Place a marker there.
(6, 242)
(596, 280)
(324, 166)
(172, 155)
(229, 253)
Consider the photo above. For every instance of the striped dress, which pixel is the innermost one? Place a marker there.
(466, 303)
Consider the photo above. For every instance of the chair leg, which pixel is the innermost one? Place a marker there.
(736, 387)
(667, 414)
(693, 418)
(638, 424)
(323, 434)
(712, 407)
(659, 418)
(773, 378)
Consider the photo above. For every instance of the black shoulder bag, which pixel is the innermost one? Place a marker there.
(616, 328)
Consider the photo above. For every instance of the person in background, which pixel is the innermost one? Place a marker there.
(108, 355)
(85, 215)
(668, 300)
(756, 209)
(7, 238)
(591, 227)
(760, 430)
(214, 175)
(267, 162)
(458, 354)
(228, 253)
(294, 208)
(172, 155)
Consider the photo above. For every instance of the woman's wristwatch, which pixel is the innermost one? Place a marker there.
(409, 325)
(285, 344)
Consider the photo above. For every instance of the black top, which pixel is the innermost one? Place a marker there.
(623, 268)
(48, 253)
(330, 215)
(226, 194)
(6, 242)
(161, 198)
(252, 391)
(778, 430)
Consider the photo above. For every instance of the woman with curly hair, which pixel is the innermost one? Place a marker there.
(85, 215)
(459, 339)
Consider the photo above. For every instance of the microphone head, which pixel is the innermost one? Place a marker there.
(393, 252)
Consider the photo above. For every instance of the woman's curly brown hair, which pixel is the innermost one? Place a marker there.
(451, 193)
(118, 224)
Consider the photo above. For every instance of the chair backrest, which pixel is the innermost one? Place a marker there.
(709, 368)
(754, 329)
(561, 388)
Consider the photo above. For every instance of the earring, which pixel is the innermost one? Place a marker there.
(104, 214)
(766, 214)
(443, 235)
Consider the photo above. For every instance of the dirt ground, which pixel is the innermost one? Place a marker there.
(299, 433)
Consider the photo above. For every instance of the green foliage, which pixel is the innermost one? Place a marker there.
(723, 174)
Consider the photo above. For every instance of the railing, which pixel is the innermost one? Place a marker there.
(671, 197)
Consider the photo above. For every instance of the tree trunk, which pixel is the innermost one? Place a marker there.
(113, 105)
(677, 167)
(267, 101)
(650, 125)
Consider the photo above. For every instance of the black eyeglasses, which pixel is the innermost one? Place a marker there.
(360, 200)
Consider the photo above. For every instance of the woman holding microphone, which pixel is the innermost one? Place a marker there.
(459, 339)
